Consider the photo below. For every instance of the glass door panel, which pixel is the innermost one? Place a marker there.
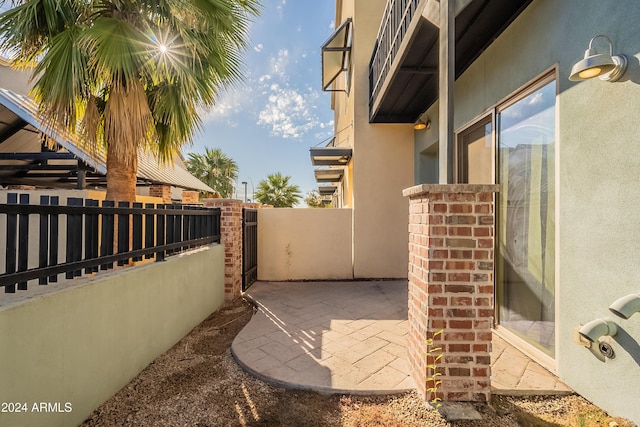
(526, 217)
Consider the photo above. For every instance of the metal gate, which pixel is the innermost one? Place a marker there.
(249, 247)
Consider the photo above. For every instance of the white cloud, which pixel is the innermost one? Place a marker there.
(229, 103)
(288, 113)
(332, 25)
(279, 64)
(258, 47)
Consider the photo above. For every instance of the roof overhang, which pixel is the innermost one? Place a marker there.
(336, 58)
(408, 84)
(36, 154)
(330, 156)
(327, 190)
(329, 175)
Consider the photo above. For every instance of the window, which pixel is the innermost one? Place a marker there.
(475, 153)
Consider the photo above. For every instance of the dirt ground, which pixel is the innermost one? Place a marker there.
(197, 383)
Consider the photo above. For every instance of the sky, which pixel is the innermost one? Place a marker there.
(268, 123)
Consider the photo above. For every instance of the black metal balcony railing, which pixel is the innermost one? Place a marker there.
(143, 231)
(395, 23)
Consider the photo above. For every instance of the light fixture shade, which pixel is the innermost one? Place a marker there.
(421, 124)
(593, 65)
(606, 66)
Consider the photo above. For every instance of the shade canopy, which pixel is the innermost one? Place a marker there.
(336, 55)
(330, 156)
(327, 190)
(328, 175)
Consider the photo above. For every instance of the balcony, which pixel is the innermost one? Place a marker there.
(403, 71)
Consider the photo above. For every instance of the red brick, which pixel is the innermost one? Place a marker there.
(459, 231)
(440, 207)
(461, 208)
(461, 301)
(461, 312)
(480, 348)
(460, 265)
(459, 372)
(439, 300)
(480, 372)
(458, 348)
(458, 277)
(462, 254)
(460, 219)
(460, 324)
(459, 336)
(460, 289)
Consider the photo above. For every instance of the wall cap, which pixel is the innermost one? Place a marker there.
(424, 189)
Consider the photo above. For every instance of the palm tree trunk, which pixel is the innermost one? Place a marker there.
(121, 176)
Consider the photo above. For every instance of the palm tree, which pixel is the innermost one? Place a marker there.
(215, 169)
(277, 191)
(313, 200)
(128, 75)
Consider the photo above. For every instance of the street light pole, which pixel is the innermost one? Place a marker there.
(245, 190)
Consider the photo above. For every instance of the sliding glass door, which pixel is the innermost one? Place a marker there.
(525, 138)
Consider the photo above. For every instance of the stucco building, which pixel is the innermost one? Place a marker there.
(490, 78)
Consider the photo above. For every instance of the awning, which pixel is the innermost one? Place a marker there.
(25, 159)
(330, 156)
(327, 190)
(336, 58)
(328, 175)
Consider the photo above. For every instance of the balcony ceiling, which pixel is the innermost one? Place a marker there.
(414, 86)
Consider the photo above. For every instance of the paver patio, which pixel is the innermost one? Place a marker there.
(350, 337)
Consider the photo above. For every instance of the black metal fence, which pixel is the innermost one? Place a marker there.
(95, 237)
(249, 247)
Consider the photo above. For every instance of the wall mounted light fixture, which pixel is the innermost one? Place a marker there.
(626, 306)
(422, 124)
(607, 66)
(598, 328)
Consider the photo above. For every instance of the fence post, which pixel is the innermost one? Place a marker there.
(231, 238)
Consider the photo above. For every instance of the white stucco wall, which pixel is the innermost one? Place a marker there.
(304, 244)
(598, 192)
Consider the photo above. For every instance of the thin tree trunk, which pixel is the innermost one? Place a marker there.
(121, 186)
(121, 176)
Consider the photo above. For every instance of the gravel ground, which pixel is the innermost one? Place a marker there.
(197, 383)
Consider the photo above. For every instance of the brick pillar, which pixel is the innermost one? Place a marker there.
(190, 197)
(162, 191)
(231, 235)
(451, 257)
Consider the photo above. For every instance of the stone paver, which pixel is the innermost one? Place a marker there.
(328, 336)
(513, 373)
(350, 337)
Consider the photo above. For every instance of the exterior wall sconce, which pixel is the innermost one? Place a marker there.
(421, 124)
(626, 306)
(598, 328)
(607, 66)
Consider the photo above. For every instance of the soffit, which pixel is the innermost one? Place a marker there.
(413, 87)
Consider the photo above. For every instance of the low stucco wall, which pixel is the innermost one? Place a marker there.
(304, 244)
(74, 349)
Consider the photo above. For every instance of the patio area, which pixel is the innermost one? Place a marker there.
(349, 337)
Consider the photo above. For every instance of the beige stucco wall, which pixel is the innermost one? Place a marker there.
(82, 344)
(598, 193)
(304, 244)
(382, 164)
(12, 79)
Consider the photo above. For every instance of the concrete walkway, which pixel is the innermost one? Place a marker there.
(350, 337)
